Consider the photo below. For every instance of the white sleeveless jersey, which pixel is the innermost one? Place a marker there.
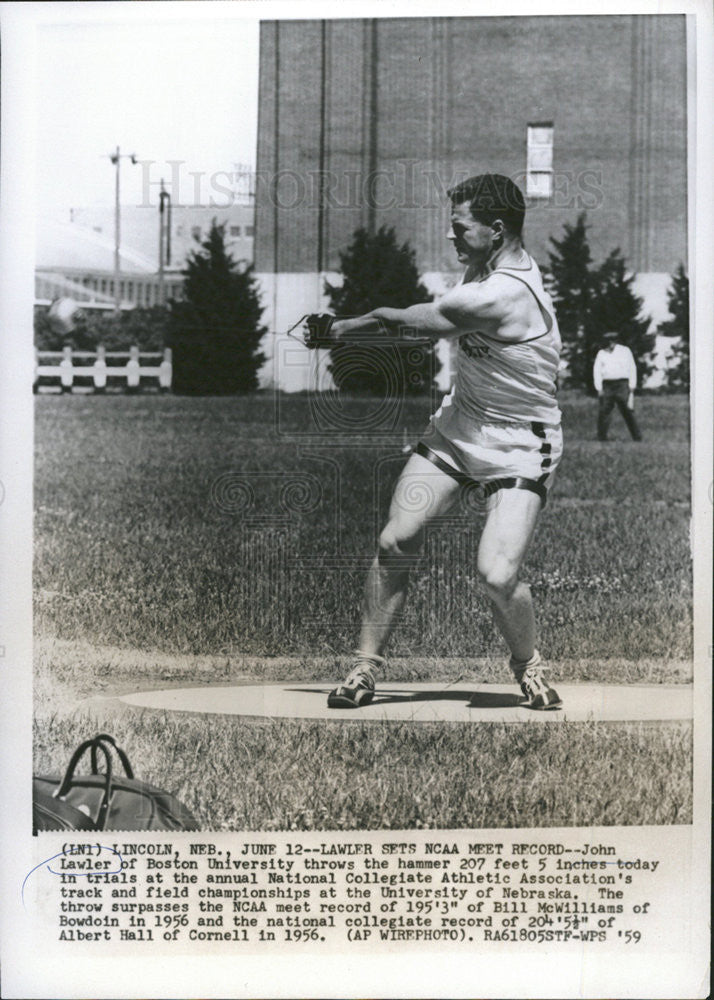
(499, 381)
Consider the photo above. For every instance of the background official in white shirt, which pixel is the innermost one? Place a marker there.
(615, 379)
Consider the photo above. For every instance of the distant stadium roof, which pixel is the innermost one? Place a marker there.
(69, 245)
(51, 285)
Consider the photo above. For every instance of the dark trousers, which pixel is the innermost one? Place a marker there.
(615, 392)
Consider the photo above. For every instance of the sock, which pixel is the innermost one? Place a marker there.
(372, 658)
(519, 667)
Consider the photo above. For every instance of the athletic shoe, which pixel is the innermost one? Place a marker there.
(357, 690)
(541, 696)
(539, 693)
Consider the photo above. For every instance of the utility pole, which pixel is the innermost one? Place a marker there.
(116, 158)
(164, 239)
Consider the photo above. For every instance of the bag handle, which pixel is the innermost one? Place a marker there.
(128, 771)
(66, 784)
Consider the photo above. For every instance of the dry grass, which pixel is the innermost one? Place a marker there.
(150, 572)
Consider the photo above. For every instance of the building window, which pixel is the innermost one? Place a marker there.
(235, 230)
(250, 230)
(539, 160)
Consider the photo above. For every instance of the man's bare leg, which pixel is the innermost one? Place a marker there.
(506, 537)
(384, 595)
(422, 493)
(516, 621)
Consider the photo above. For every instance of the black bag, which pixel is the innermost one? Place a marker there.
(101, 800)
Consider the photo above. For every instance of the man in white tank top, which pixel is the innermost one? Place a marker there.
(498, 430)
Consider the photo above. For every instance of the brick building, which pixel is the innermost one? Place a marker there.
(368, 122)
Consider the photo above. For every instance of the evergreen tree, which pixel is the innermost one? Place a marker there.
(571, 283)
(215, 330)
(590, 301)
(377, 271)
(615, 306)
(678, 326)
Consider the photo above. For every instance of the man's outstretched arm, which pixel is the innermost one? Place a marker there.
(457, 312)
(421, 321)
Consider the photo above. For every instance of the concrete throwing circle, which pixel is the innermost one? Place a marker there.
(427, 703)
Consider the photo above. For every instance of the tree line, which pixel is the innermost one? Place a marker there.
(215, 330)
(591, 300)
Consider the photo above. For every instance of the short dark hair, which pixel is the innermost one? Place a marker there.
(491, 197)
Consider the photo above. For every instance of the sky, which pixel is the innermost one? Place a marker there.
(169, 89)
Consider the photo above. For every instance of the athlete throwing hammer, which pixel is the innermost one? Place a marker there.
(498, 427)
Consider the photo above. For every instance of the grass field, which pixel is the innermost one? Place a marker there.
(214, 540)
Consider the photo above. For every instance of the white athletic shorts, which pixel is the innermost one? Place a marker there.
(494, 455)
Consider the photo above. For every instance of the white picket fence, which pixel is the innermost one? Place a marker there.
(130, 370)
